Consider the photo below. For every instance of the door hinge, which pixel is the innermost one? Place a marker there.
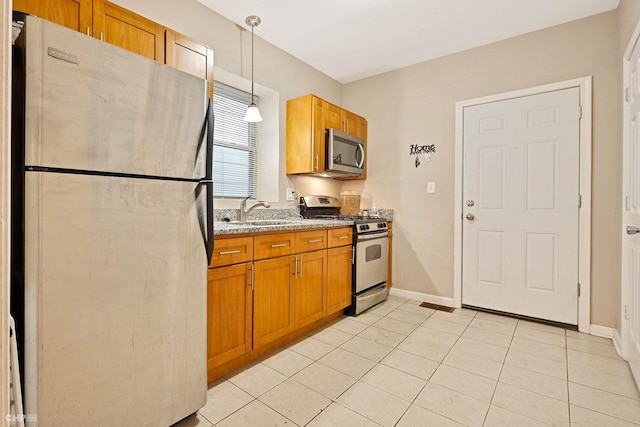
(626, 311)
(626, 203)
(627, 94)
(579, 201)
(579, 111)
(578, 289)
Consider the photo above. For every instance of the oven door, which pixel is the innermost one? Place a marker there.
(372, 254)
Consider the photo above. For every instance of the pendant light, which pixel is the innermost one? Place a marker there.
(253, 114)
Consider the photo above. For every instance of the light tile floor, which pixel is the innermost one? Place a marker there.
(403, 365)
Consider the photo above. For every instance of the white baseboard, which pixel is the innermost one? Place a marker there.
(601, 331)
(617, 343)
(432, 299)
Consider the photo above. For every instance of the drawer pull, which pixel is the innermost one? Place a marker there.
(343, 237)
(237, 251)
(314, 241)
(280, 245)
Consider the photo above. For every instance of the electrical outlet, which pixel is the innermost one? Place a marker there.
(431, 187)
(291, 194)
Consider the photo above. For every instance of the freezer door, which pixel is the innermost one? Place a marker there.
(115, 277)
(93, 106)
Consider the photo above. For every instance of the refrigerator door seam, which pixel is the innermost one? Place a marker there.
(103, 173)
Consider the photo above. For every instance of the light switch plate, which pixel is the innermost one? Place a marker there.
(431, 187)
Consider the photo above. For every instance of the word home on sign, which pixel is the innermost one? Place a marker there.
(416, 150)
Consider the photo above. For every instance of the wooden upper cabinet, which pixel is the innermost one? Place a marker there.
(333, 116)
(305, 135)
(130, 31)
(189, 56)
(74, 14)
(341, 119)
(307, 119)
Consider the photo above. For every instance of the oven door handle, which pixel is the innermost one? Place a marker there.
(372, 236)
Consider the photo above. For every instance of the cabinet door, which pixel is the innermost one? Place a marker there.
(272, 302)
(305, 135)
(333, 116)
(74, 14)
(273, 245)
(127, 30)
(190, 56)
(229, 313)
(309, 287)
(339, 278)
(307, 241)
(339, 237)
(232, 250)
(352, 123)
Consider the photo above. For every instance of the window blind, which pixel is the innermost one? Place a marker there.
(234, 144)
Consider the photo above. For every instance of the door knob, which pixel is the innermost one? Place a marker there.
(470, 217)
(633, 230)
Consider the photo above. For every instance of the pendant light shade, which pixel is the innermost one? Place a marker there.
(253, 114)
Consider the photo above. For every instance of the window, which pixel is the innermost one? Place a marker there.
(234, 144)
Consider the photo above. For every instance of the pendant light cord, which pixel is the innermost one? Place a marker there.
(252, 98)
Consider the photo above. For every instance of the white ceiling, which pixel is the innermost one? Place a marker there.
(353, 39)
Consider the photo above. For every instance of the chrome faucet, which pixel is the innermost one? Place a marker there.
(244, 211)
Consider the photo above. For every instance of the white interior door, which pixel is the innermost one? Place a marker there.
(631, 217)
(521, 201)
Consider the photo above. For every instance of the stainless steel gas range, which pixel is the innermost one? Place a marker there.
(370, 251)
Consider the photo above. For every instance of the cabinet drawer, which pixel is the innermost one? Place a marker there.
(306, 241)
(339, 237)
(232, 251)
(272, 245)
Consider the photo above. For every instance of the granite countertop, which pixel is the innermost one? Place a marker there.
(221, 228)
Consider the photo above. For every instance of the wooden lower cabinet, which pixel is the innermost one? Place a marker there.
(272, 299)
(230, 308)
(309, 285)
(257, 306)
(339, 278)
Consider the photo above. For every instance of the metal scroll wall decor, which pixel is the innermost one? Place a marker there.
(422, 150)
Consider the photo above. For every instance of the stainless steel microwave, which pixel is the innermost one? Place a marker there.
(345, 153)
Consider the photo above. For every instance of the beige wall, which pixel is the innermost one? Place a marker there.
(274, 69)
(628, 16)
(415, 105)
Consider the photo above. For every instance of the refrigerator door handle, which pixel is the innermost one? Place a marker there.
(207, 229)
(206, 218)
(206, 130)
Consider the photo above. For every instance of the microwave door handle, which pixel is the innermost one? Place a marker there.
(360, 163)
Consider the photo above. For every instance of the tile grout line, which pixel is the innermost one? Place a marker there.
(484, 421)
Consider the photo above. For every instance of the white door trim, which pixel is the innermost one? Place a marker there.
(626, 141)
(584, 233)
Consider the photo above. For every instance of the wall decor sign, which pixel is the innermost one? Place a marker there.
(422, 150)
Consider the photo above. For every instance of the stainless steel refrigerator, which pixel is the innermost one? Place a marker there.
(113, 230)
